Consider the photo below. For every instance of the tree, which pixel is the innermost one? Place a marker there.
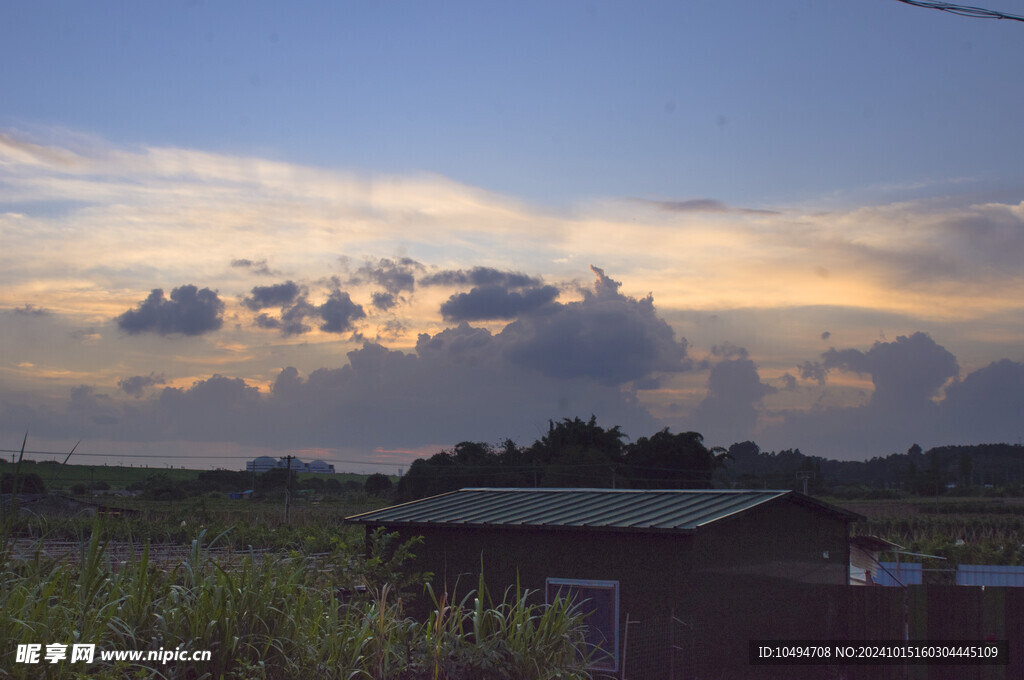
(577, 453)
(673, 461)
(377, 484)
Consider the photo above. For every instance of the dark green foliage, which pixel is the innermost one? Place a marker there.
(673, 461)
(378, 484)
(573, 453)
(277, 617)
(276, 479)
(160, 487)
(25, 483)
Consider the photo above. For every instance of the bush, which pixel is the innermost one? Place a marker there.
(30, 483)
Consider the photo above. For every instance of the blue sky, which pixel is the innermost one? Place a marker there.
(783, 179)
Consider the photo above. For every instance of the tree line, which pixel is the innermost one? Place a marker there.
(573, 453)
(582, 453)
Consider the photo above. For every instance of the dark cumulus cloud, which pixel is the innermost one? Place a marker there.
(494, 294)
(496, 302)
(293, 317)
(383, 301)
(189, 311)
(607, 336)
(258, 267)
(908, 374)
(480, 276)
(813, 370)
(30, 310)
(278, 295)
(393, 275)
(137, 384)
(987, 405)
(908, 371)
(339, 313)
(730, 408)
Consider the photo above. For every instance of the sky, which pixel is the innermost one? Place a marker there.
(364, 232)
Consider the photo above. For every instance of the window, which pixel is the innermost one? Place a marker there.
(600, 604)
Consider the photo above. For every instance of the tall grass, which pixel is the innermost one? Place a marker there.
(270, 618)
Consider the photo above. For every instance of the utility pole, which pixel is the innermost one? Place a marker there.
(804, 475)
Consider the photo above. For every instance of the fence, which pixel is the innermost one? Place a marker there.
(709, 640)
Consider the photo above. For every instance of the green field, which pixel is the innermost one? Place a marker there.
(963, 531)
(62, 477)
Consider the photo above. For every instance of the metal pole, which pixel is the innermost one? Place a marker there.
(625, 646)
(287, 492)
(672, 644)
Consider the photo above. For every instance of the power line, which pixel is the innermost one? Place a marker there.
(176, 456)
(963, 10)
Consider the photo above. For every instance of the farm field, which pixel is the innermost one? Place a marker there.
(963, 530)
(59, 477)
(267, 599)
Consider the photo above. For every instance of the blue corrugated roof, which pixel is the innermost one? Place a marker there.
(908, 573)
(989, 575)
(642, 509)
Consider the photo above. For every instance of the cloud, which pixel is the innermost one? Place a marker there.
(136, 385)
(480, 276)
(496, 302)
(607, 336)
(986, 406)
(905, 372)
(729, 411)
(459, 384)
(339, 313)
(495, 294)
(30, 310)
(219, 408)
(813, 370)
(394, 276)
(728, 350)
(383, 301)
(703, 205)
(189, 311)
(258, 267)
(278, 295)
(908, 375)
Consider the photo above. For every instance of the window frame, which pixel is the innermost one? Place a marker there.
(553, 585)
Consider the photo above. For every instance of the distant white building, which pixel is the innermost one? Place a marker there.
(261, 464)
(321, 467)
(264, 463)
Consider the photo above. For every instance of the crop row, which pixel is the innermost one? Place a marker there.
(276, 617)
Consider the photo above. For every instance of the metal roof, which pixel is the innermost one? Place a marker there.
(989, 575)
(636, 509)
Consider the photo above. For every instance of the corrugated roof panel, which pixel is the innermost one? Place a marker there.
(990, 575)
(908, 573)
(675, 509)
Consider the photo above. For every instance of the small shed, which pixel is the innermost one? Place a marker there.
(864, 564)
(660, 568)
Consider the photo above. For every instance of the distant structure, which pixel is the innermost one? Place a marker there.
(265, 463)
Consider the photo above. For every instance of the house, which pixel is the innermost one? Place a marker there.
(320, 466)
(261, 464)
(265, 463)
(662, 572)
